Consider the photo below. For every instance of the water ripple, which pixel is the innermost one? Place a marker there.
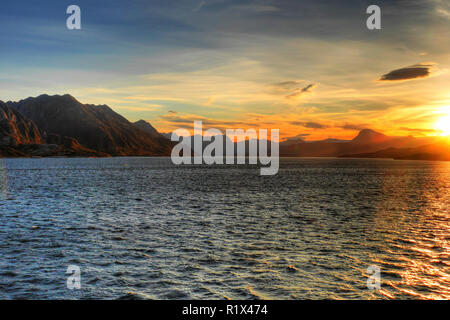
(141, 228)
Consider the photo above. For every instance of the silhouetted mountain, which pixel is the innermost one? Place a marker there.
(368, 136)
(95, 127)
(367, 141)
(363, 145)
(241, 145)
(436, 151)
(439, 150)
(335, 140)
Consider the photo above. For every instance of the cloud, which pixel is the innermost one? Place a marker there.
(300, 136)
(285, 87)
(417, 71)
(288, 85)
(301, 91)
(443, 13)
(419, 130)
(350, 126)
(316, 125)
(292, 89)
(186, 121)
(310, 125)
(309, 87)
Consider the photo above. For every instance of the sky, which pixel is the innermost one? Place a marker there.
(309, 68)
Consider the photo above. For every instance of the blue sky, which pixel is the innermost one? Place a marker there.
(234, 63)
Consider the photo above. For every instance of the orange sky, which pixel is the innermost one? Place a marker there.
(307, 68)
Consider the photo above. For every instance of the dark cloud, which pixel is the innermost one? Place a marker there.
(292, 88)
(416, 71)
(301, 91)
(308, 87)
(309, 124)
(300, 136)
(350, 126)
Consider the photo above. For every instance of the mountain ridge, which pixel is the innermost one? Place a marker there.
(60, 125)
(96, 127)
(147, 127)
(367, 141)
(15, 129)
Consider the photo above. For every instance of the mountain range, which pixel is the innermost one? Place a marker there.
(367, 144)
(60, 125)
(367, 141)
(371, 144)
(63, 126)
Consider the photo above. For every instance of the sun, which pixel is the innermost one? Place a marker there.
(443, 125)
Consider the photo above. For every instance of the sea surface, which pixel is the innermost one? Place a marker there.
(142, 228)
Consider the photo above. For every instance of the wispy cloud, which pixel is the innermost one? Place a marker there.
(309, 124)
(421, 131)
(353, 126)
(302, 91)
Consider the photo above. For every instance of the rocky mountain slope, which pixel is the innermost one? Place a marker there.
(94, 127)
(21, 137)
(15, 129)
(147, 127)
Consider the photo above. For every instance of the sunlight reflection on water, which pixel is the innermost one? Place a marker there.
(419, 232)
(141, 227)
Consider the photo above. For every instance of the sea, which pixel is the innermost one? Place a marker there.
(143, 228)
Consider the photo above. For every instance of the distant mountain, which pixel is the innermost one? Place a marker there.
(367, 141)
(439, 150)
(241, 145)
(335, 140)
(363, 145)
(96, 127)
(368, 136)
